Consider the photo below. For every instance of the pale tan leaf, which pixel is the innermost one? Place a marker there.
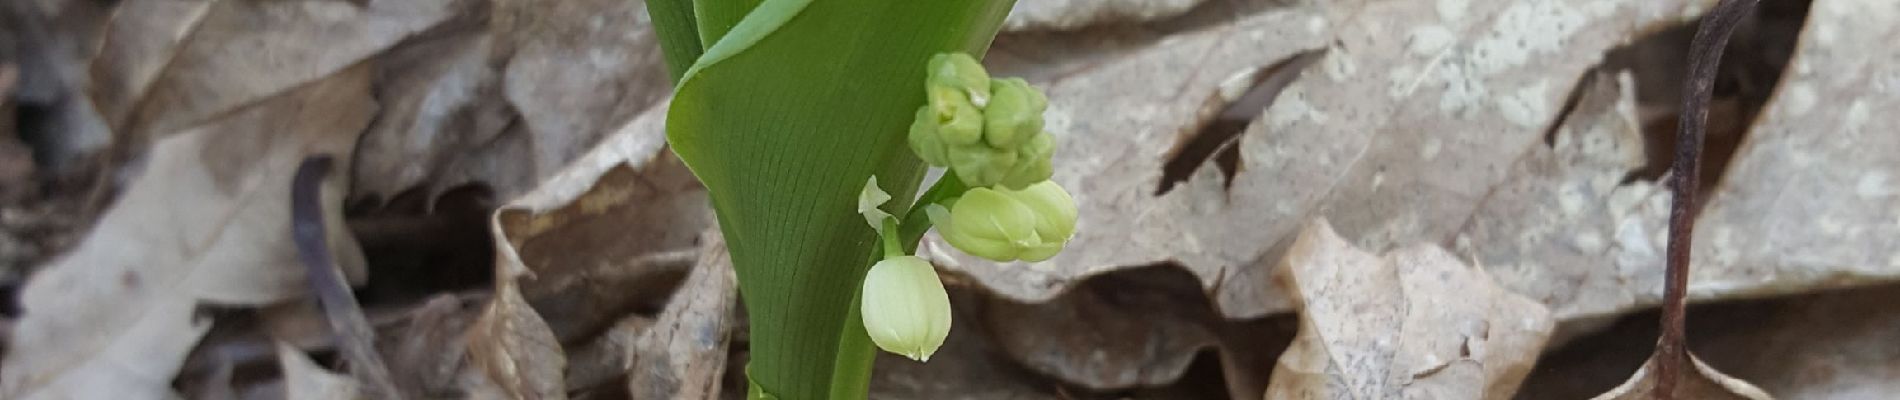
(514, 347)
(167, 64)
(570, 252)
(1567, 205)
(442, 119)
(1812, 198)
(1698, 382)
(207, 222)
(678, 354)
(304, 380)
(1415, 323)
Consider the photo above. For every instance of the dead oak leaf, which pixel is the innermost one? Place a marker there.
(207, 222)
(1700, 383)
(624, 199)
(165, 64)
(1411, 324)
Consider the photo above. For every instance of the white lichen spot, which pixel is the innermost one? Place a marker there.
(1524, 30)
(1873, 185)
(1428, 41)
(1527, 107)
(1797, 100)
(1452, 10)
(1571, 198)
(1462, 92)
(1342, 67)
(1315, 24)
(1588, 242)
(1402, 80)
(1825, 34)
(1431, 148)
(1854, 123)
(1292, 107)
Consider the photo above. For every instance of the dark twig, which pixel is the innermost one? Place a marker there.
(1705, 54)
(353, 332)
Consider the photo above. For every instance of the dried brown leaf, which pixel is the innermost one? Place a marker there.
(167, 64)
(442, 121)
(1702, 383)
(626, 198)
(304, 380)
(678, 354)
(1415, 323)
(207, 222)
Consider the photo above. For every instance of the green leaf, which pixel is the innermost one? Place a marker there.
(678, 31)
(783, 119)
(716, 17)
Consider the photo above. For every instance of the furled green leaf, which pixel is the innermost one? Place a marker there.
(678, 29)
(784, 118)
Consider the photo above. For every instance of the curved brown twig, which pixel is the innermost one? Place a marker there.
(1705, 54)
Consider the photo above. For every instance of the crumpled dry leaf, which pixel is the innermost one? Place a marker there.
(444, 114)
(1415, 323)
(678, 354)
(1700, 383)
(429, 350)
(509, 104)
(207, 222)
(304, 380)
(570, 254)
(167, 64)
(512, 344)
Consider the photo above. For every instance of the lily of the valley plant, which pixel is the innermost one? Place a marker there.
(811, 124)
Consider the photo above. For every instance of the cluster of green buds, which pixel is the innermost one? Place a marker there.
(988, 131)
(988, 134)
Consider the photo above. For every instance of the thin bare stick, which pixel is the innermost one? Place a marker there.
(1705, 54)
(353, 332)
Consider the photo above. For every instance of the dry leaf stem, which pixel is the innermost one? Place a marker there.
(354, 336)
(1705, 54)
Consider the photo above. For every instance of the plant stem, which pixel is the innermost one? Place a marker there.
(1705, 54)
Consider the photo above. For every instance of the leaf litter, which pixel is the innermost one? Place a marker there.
(1479, 126)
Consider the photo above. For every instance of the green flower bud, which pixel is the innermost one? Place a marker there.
(989, 131)
(1054, 208)
(1014, 113)
(905, 308)
(961, 72)
(924, 141)
(1032, 163)
(1005, 225)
